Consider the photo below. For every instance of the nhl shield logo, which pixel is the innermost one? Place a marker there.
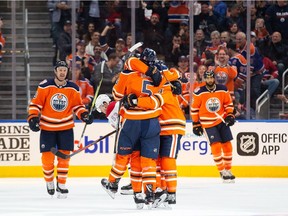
(247, 144)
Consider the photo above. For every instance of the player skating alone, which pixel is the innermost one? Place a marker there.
(51, 111)
(212, 113)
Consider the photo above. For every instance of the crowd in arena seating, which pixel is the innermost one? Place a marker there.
(220, 41)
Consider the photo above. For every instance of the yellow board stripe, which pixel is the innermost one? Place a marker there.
(183, 171)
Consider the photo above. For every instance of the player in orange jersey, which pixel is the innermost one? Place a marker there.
(51, 111)
(212, 113)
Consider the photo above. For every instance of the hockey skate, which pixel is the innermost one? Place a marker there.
(110, 187)
(150, 196)
(62, 191)
(231, 176)
(160, 197)
(170, 200)
(50, 188)
(225, 176)
(139, 199)
(127, 190)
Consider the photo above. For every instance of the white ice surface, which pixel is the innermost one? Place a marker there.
(195, 196)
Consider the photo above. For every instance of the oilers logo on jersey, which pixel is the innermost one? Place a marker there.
(213, 104)
(59, 102)
(221, 78)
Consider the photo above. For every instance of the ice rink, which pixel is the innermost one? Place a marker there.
(195, 196)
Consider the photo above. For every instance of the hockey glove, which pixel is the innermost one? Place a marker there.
(155, 75)
(85, 117)
(230, 119)
(197, 129)
(34, 124)
(176, 87)
(129, 101)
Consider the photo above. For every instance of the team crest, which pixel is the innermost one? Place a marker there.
(213, 104)
(59, 102)
(247, 144)
(221, 78)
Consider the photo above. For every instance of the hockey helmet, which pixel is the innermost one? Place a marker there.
(60, 64)
(209, 73)
(100, 100)
(148, 55)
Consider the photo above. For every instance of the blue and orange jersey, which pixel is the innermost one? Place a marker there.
(140, 85)
(2, 44)
(56, 105)
(172, 120)
(256, 59)
(206, 103)
(86, 90)
(240, 62)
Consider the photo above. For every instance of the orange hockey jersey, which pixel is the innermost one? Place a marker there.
(56, 105)
(225, 76)
(206, 103)
(172, 120)
(86, 90)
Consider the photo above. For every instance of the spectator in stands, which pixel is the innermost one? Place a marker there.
(277, 51)
(224, 72)
(2, 40)
(94, 60)
(184, 32)
(154, 34)
(85, 88)
(95, 40)
(219, 7)
(108, 74)
(65, 41)
(260, 29)
(233, 16)
(225, 37)
(88, 36)
(200, 42)
(175, 50)
(233, 30)
(208, 55)
(256, 64)
(183, 68)
(177, 12)
(206, 20)
(128, 42)
(276, 19)
(95, 15)
(270, 77)
(60, 12)
(79, 54)
(240, 62)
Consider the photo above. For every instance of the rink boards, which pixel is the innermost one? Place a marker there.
(260, 149)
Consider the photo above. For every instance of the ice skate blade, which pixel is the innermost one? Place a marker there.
(159, 201)
(149, 205)
(111, 194)
(125, 192)
(228, 181)
(61, 195)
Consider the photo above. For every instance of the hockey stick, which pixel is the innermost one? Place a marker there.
(56, 152)
(93, 103)
(220, 117)
(132, 49)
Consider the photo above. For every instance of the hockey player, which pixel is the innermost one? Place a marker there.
(212, 113)
(51, 111)
(139, 130)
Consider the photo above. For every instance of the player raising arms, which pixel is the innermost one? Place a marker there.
(212, 113)
(51, 111)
